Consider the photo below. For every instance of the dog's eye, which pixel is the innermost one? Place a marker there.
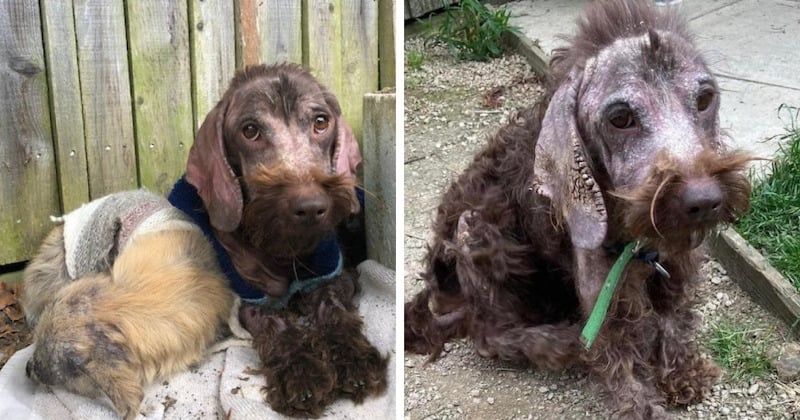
(251, 132)
(704, 100)
(622, 119)
(321, 124)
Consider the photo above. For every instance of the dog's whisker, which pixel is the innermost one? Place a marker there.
(653, 205)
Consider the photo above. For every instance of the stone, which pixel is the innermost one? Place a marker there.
(787, 362)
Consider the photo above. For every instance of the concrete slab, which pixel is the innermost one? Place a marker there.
(753, 47)
(749, 115)
(754, 40)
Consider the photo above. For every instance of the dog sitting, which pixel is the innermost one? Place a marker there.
(269, 177)
(127, 290)
(625, 153)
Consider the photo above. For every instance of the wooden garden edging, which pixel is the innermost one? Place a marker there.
(756, 276)
(746, 266)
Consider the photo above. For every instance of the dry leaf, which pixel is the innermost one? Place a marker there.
(6, 330)
(6, 299)
(13, 313)
(251, 371)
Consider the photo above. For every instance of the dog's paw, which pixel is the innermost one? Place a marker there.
(361, 369)
(693, 384)
(301, 380)
(299, 383)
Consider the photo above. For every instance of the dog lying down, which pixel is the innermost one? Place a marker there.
(623, 159)
(130, 289)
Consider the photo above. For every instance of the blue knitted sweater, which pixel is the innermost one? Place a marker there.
(325, 262)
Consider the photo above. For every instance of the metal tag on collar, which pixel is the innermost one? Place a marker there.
(652, 260)
(660, 269)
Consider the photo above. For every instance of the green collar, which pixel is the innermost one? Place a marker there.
(598, 314)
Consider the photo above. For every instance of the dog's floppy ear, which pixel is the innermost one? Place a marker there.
(210, 173)
(563, 173)
(346, 155)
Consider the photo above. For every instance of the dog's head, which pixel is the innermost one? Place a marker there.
(275, 161)
(631, 135)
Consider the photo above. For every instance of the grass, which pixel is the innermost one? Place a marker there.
(414, 60)
(773, 224)
(472, 32)
(740, 349)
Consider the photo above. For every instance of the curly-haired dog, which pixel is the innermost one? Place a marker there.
(126, 291)
(269, 177)
(626, 149)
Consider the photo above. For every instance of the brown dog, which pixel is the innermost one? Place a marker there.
(128, 290)
(269, 177)
(626, 150)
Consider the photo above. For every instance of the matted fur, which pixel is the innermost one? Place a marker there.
(158, 310)
(524, 238)
(315, 350)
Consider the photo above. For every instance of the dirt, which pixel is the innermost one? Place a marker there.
(14, 331)
(445, 124)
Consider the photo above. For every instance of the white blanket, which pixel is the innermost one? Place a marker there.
(222, 386)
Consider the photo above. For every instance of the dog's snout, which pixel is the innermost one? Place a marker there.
(310, 208)
(701, 200)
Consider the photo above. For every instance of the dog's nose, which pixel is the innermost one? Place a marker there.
(701, 200)
(310, 209)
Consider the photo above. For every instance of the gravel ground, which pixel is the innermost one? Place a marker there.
(445, 124)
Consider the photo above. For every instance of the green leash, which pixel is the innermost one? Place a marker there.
(598, 314)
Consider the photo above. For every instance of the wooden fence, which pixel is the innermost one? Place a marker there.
(106, 95)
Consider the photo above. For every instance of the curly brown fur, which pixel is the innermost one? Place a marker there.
(626, 147)
(163, 303)
(274, 164)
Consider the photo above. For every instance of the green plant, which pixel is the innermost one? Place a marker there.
(773, 223)
(740, 349)
(472, 32)
(414, 60)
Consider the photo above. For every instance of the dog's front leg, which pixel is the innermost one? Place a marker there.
(618, 358)
(682, 373)
(300, 378)
(336, 327)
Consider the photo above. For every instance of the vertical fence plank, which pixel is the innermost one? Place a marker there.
(379, 176)
(28, 191)
(322, 49)
(158, 36)
(247, 39)
(359, 58)
(280, 30)
(386, 33)
(65, 97)
(213, 53)
(105, 96)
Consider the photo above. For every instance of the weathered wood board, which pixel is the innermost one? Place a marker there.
(158, 35)
(29, 189)
(379, 153)
(58, 27)
(280, 31)
(386, 47)
(105, 96)
(213, 54)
